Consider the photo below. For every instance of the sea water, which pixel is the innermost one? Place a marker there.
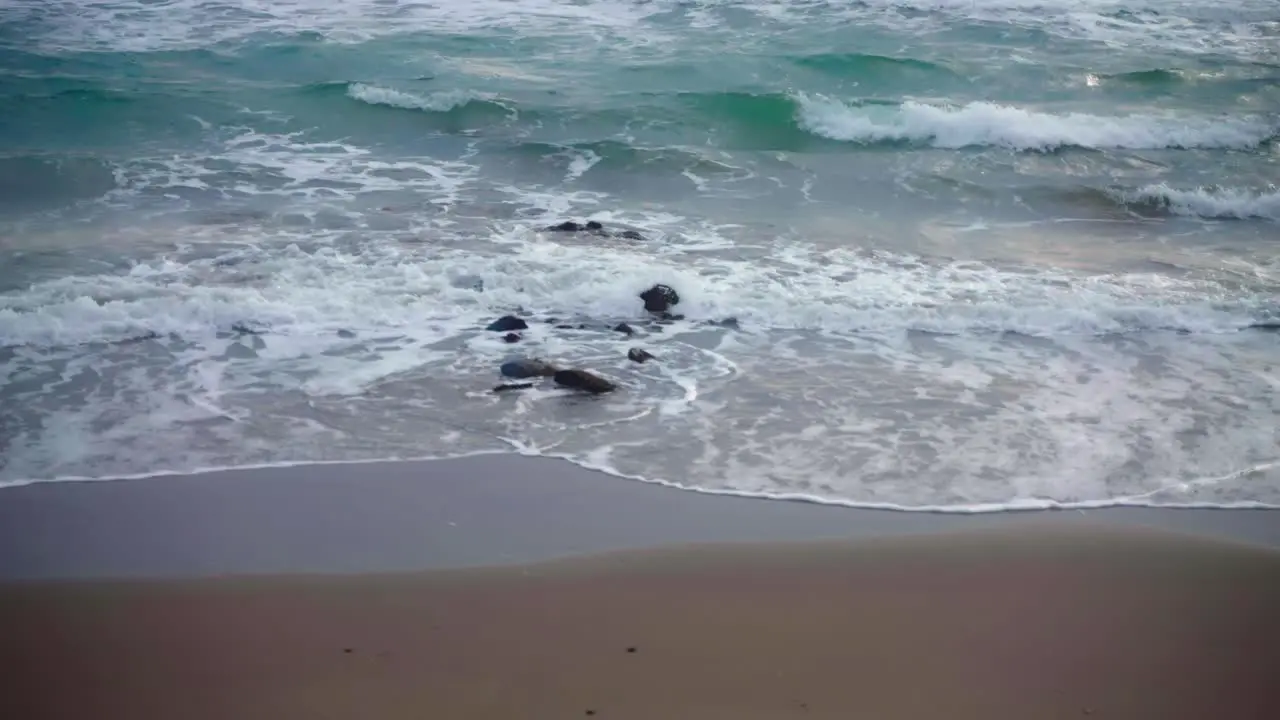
(978, 253)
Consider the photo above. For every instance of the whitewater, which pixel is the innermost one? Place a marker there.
(963, 255)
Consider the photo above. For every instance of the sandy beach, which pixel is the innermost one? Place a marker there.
(216, 596)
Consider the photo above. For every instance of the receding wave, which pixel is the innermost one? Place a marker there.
(993, 125)
(1205, 202)
(1153, 77)
(41, 180)
(621, 156)
(860, 65)
(82, 94)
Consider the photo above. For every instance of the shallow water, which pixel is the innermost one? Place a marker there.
(980, 253)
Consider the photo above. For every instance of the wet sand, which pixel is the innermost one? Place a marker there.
(484, 510)
(505, 588)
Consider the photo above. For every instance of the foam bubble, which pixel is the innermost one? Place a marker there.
(989, 124)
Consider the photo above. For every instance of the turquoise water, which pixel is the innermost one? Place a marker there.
(980, 253)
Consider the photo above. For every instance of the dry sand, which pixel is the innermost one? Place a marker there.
(1027, 621)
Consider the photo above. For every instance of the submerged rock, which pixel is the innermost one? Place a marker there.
(527, 368)
(640, 356)
(511, 338)
(660, 298)
(507, 323)
(583, 380)
(625, 329)
(506, 387)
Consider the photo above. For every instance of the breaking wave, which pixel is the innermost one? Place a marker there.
(993, 125)
(1207, 202)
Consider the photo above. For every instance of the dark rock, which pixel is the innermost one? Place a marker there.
(583, 380)
(659, 298)
(149, 335)
(244, 329)
(571, 327)
(511, 338)
(527, 368)
(504, 387)
(507, 323)
(346, 334)
(1266, 325)
(631, 649)
(346, 650)
(667, 317)
(237, 351)
(625, 329)
(730, 323)
(594, 227)
(640, 356)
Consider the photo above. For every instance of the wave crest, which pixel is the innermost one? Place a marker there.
(1207, 202)
(993, 125)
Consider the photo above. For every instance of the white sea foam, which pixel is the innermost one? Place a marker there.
(989, 124)
(289, 165)
(384, 347)
(292, 290)
(1208, 202)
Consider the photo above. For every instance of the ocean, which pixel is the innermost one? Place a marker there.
(956, 255)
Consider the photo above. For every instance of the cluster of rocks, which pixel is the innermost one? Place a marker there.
(593, 227)
(658, 300)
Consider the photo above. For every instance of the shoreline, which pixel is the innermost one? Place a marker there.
(492, 588)
(480, 510)
(1031, 506)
